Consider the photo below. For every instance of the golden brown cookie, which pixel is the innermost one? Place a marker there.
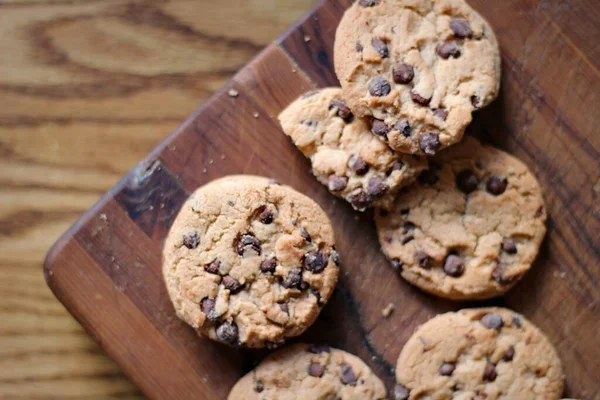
(305, 372)
(249, 262)
(470, 228)
(345, 156)
(479, 354)
(419, 68)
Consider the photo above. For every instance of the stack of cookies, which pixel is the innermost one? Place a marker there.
(250, 262)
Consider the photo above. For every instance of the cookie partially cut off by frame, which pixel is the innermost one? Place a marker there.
(345, 156)
(250, 262)
(470, 228)
(481, 354)
(302, 372)
(417, 69)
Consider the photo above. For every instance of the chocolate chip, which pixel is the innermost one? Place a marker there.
(360, 199)
(227, 332)
(316, 370)
(476, 101)
(358, 165)
(403, 126)
(268, 265)
(461, 28)
(213, 267)
(348, 376)
(403, 73)
(380, 128)
(284, 307)
(379, 87)
(335, 256)
(447, 368)
(539, 212)
(407, 227)
(467, 181)
(396, 166)
(314, 261)
(441, 113)
(510, 354)
(305, 235)
(293, 279)
(489, 373)
(448, 49)
(396, 264)
(498, 274)
(428, 177)
(423, 259)
(342, 109)
(232, 284)
(377, 187)
(266, 216)
(248, 243)
(359, 47)
(335, 183)
(407, 239)
(380, 46)
(429, 143)
(496, 185)
(417, 98)
(319, 348)
(405, 211)
(208, 308)
(509, 246)
(368, 3)
(401, 392)
(259, 387)
(516, 321)
(492, 321)
(191, 240)
(454, 266)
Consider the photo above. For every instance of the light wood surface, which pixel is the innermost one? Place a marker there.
(87, 89)
(106, 269)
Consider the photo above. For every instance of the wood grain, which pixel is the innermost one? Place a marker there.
(87, 89)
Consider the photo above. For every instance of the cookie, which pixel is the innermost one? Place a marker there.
(303, 371)
(345, 156)
(470, 228)
(477, 354)
(249, 262)
(419, 68)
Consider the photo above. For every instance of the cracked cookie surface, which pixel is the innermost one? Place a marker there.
(249, 262)
(419, 68)
(470, 228)
(479, 353)
(345, 156)
(302, 372)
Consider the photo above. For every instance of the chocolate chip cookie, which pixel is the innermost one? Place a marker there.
(418, 68)
(479, 353)
(345, 156)
(470, 228)
(249, 262)
(303, 371)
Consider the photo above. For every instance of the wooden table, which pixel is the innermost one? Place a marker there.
(87, 88)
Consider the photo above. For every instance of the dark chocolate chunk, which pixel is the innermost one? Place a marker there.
(266, 216)
(403, 73)
(509, 246)
(461, 28)
(492, 321)
(403, 126)
(335, 256)
(368, 3)
(441, 113)
(348, 376)
(449, 49)
(322, 348)
(360, 199)
(248, 243)
(259, 387)
(423, 259)
(208, 308)
(316, 369)
(489, 373)
(268, 265)
(380, 46)
(227, 332)
(401, 392)
(232, 284)
(335, 183)
(359, 47)
(396, 264)
(305, 235)
(379, 128)
(284, 307)
(516, 321)
(429, 143)
(476, 101)
(358, 165)
(510, 354)
(315, 261)
(467, 181)
(342, 109)
(191, 240)
(447, 368)
(293, 279)
(379, 87)
(213, 267)
(417, 98)
(407, 239)
(454, 266)
(496, 185)
(500, 276)
(428, 177)
(377, 187)
(396, 166)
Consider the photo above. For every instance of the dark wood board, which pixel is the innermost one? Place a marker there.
(106, 268)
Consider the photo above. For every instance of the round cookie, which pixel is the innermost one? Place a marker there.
(418, 67)
(250, 262)
(477, 354)
(345, 156)
(302, 371)
(470, 228)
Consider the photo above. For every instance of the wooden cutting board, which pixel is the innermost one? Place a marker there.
(106, 268)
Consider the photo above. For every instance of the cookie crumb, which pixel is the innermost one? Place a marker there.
(103, 217)
(388, 310)
(222, 156)
(306, 38)
(210, 161)
(255, 114)
(597, 186)
(294, 70)
(233, 93)
(203, 170)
